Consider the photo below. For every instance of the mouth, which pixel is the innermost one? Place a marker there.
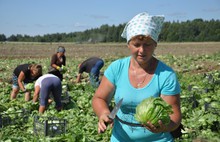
(141, 56)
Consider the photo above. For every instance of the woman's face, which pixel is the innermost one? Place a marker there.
(34, 73)
(60, 54)
(142, 49)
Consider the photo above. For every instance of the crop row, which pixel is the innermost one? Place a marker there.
(200, 97)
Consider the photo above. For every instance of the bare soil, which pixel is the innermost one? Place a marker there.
(108, 50)
(11, 51)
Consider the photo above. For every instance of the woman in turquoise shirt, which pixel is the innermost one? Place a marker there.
(135, 78)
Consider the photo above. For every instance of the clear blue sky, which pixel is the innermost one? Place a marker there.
(39, 17)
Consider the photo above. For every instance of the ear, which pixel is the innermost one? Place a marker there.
(128, 45)
(155, 45)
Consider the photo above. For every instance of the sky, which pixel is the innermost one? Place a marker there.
(40, 17)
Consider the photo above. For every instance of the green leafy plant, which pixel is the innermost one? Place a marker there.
(29, 86)
(153, 109)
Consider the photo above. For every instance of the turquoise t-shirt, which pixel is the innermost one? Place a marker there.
(164, 81)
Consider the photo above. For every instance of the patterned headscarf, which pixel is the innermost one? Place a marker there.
(143, 24)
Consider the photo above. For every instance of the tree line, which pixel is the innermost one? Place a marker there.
(196, 30)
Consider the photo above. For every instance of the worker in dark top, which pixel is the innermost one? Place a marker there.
(57, 61)
(22, 75)
(92, 66)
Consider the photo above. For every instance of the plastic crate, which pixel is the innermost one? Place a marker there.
(49, 126)
(15, 118)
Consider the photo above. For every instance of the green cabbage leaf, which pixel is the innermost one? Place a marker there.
(153, 109)
(29, 87)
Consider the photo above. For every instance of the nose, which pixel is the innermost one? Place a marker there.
(142, 48)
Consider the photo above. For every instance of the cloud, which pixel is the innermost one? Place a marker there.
(75, 25)
(41, 26)
(178, 15)
(211, 10)
(22, 26)
(79, 25)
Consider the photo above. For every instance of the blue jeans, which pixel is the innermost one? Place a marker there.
(94, 74)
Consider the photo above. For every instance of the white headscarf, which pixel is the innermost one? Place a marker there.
(143, 24)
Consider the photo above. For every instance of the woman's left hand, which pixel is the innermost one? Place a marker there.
(154, 129)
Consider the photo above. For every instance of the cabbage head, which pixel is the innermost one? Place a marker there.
(29, 86)
(153, 109)
(64, 69)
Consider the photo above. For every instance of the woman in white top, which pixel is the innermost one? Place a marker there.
(45, 85)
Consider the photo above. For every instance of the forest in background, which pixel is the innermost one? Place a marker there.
(196, 30)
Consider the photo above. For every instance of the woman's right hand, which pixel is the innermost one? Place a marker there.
(100, 104)
(104, 121)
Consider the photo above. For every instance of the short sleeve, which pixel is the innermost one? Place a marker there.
(81, 69)
(53, 59)
(37, 83)
(111, 72)
(171, 85)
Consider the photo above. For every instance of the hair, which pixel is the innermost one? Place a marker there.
(141, 37)
(37, 68)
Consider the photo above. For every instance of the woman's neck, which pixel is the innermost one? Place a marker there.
(147, 66)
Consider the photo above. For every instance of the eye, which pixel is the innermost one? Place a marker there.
(147, 44)
(137, 45)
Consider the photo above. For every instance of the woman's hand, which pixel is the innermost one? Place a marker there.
(104, 121)
(159, 129)
(100, 103)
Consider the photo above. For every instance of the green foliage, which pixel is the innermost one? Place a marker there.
(200, 91)
(29, 87)
(64, 69)
(2, 37)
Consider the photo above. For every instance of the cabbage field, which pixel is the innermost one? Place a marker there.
(196, 64)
